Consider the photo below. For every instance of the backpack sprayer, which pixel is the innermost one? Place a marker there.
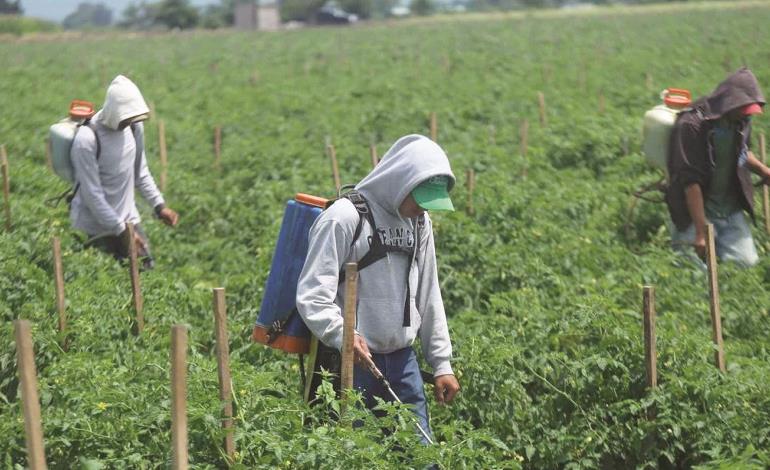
(384, 382)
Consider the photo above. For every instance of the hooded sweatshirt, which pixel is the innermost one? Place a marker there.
(382, 285)
(691, 151)
(105, 199)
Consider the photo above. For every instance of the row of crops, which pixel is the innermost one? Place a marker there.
(543, 283)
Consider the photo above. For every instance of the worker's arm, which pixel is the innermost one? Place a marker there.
(695, 206)
(758, 167)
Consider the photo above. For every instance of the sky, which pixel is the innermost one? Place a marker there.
(57, 10)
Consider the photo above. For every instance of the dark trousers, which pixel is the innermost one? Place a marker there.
(401, 369)
(117, 246)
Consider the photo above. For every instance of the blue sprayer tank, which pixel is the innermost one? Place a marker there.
(279, 303)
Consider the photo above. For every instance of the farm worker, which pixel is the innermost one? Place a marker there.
(709, 166)
(412, 178)
(108, 169)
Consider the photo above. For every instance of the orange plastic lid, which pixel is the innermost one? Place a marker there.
(311, 200)
(81, 109)
(677, 98)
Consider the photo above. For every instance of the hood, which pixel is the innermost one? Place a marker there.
(738, 90)
(123, 101)
(410, 161)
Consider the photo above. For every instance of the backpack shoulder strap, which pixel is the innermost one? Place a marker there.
(87, 123)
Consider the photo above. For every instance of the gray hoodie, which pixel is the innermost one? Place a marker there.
(382, 285)
(105, 199)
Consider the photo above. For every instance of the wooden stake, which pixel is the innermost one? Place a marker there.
(223, 366)
(152, 110)
(48, 159)
(6, 186)
(648, 81)
(373, 153)
(218, 147)
(58, 274)
(601, 103)
(716, 318)
(163, 155)
(348, 329)
(136, 288)
(650, 350)
(335, 168)
(541, 103)
(470, 180)
(178, 397)
(523, 144)
(433, 127)
(765, 188)
(33, 427)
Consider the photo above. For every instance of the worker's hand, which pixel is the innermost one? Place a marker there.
(361, 351)
(700, 245)
(446, 388)
(168, 216)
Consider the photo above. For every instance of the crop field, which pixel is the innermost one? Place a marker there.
(542, 282)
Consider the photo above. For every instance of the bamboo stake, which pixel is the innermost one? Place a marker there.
(163, 154)
(335, 168)
(470, 179)
(348, 330)
(765, 188)
(178, 397)
(433, 127)
(223, 366)
(541, 103)
(58, 273)
(648, 81)
(218, 147)
(152, 110)
(523, 144)
(48, 159)
(6, 186)
(716, 319)
(650, 350)
(373, 153)
(601, 103)
(33, 428)
(138, 324)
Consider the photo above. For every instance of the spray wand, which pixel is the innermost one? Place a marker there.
(384, 382)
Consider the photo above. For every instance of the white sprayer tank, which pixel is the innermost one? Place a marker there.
(658, 124)
(61, 136)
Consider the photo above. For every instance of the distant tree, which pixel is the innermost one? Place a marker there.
(88, 14)
(362, 8)
(422, 7)
(219, 15)
(139, 16)
(9, 7)
(382, 8)
(166, 13)
(176, 14)
(300, 10)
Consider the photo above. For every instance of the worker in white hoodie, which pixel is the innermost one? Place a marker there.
(398, 295)
(109, 161)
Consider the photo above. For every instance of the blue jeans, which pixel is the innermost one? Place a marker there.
(402, 371)
(732, 237)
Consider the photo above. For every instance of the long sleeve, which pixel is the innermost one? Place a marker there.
(328, 248)
(83, 156)
(144, 181)
(434, 332)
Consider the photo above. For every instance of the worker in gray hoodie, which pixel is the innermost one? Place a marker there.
(109, 161)
(398, 295)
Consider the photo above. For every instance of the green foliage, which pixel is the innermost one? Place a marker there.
(18, 25)
(88, 15)
(9, 7)
(300, 10)
(169, 14)
(422, 7)
(542, 286)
